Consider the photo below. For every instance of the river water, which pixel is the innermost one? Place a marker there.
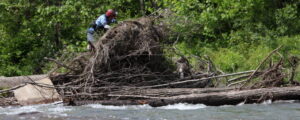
(282, 110)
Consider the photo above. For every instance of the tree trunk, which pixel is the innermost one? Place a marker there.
(142, 6)
(213, 97)
(57, 35)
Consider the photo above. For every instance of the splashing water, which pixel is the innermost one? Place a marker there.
(268, 110)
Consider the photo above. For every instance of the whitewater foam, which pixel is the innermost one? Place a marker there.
(241, 104)
(286, 101)
(183, 106)
(59, 109)
(18, 110)
(179, 106)
(124, 107)
(267, 102)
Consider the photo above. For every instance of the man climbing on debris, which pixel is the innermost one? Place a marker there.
(101, 24)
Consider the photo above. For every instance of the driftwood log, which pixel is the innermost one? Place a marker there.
(8, 82)
(212, 96)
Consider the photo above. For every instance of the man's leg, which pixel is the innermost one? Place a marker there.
(90, 38)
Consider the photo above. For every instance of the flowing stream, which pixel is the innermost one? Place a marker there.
(282, 110)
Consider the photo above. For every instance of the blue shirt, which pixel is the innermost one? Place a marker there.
(101, 22)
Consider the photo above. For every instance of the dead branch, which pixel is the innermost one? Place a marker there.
(7, 82)
(195, 80)
(259, 66)
(11, 89)
(59, 63)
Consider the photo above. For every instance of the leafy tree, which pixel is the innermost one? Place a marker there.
(231, 32)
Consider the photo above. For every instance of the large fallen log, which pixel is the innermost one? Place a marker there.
(7, 82)
(217, 98)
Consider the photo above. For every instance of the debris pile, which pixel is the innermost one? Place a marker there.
(128, 66)
(128, 55)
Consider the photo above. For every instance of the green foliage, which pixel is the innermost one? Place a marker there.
(291, 45)
(31, 30)
(228, 60)
(237, 35)
(287, 20)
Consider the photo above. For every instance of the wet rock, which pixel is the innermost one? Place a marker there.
(35, 94)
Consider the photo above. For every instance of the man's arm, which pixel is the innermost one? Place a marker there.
(114, 21)
(106, 27)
